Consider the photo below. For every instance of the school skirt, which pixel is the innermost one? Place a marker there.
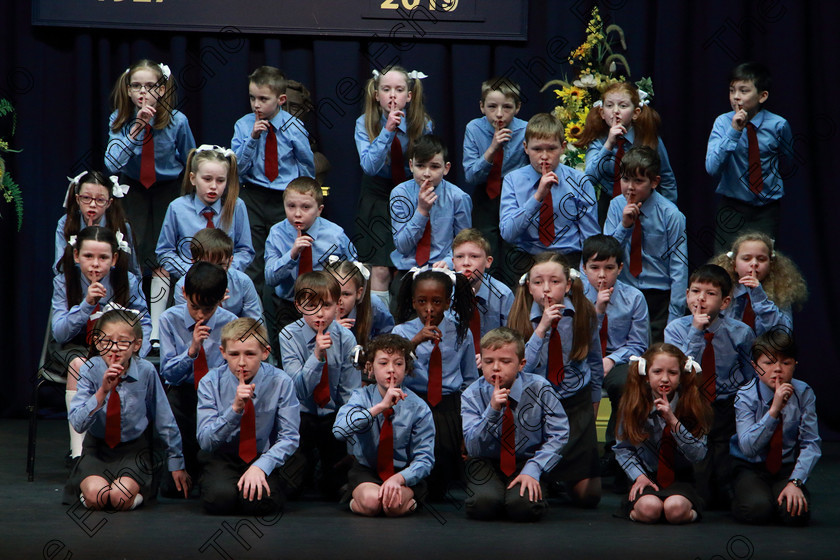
(683, 485)
(374, 239)
(580, 455)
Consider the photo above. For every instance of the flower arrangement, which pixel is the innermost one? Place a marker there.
(597, 66)
(8, 188)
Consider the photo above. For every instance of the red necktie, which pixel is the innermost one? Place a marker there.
(90, 326)
(547, 220)
(397, 162)
(507, 460)
(424, 246)
(385, 451)
(199, 366)
(774, 454)
(619, 153)
(147, 159)
(707, 364)
(749, 314)
(248, 433)
(636, 248)
(556, 368)
(494, 178)
(475, 328)
(321, 394)
(665, 470)
(603, 335)
(112, 419)
(305, 260)
(208, 215)
(435, 387)
(272, 169)
(756, 181)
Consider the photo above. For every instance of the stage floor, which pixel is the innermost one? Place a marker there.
(36, 525)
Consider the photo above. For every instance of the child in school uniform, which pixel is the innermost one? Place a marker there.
(445, 359)
(189, 347)
(301, 243)
(272, 148)
(743, 156)
(547, 206)
(767, 283)
(662, 427)
(652, 232)
(427, 211)
(514, 431)
(394, 119)
(119, 402)
(560, 325)
(247, 425)
(392, 455)
(214, 246)
(724, 346)
(318, 353)
(93, 273)
(622, 318)
(777, 443)
(365, 316)
(491, 151)
(471, 257)
(94, 200)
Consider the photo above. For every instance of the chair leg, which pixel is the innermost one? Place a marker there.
(33, 430)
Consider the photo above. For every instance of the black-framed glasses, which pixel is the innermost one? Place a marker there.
(137, 86)
(105, 344)
(85, 200)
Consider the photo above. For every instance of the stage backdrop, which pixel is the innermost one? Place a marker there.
(60, 79)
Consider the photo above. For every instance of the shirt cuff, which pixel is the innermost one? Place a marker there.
(532, 469)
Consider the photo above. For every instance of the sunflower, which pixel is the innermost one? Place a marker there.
(574, 130)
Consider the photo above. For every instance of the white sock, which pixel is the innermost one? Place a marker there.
(159, 292)
(385, 296)
(138, 499)
(76, 438)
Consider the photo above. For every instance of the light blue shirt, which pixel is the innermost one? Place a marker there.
(728, 161)
(414, 432)
(477, 139)
(172, 146)
(574, 205)
(142, 399)
(494, 300)
(382, 322)
(294, 154)
(183, 220)
(297, 344)
(61, 243)
(800, 435)
(242, 300)
(451, 213)
(457, 360)
(542, 427)
(664, 248)
(70, 322)
(176, 330)
(375, 156)
(600, 166)
(577, 373)
(281, 270)
(767, 313)
(732, 342)
(275, 409)
(627, 321)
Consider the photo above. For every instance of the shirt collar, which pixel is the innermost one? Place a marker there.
(309, 334)
(765, 393)
(568, 311)
(199, 206)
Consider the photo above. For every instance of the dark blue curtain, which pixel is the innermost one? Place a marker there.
(60, 79)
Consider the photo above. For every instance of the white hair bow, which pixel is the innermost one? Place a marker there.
(730, 254)
(641, 362)
(73, 184)
(111, 306)
(644, 97)
(691, 365)
(574, 274)
(449, 273)
(523, 279)
(118, 190)
(122, 244)
(226, 152)
(332, 259)
(598, 103)
(164, 69)
(417, 75)
(72, 241)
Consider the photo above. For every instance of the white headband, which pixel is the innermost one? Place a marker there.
(332, 259)
(113, 307)
(641, 362)
(226, 152)
(415, 270)
(414, 74)
(122, 244)
(164, 70)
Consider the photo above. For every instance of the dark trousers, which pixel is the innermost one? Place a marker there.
(145, 209)
(657, 302)
(614, 386)
(265, 208)
(735, 217)
(283, 314)
(756, 492)
(714, 472)
(485, 218)
(219, 493)
(183, 401)
(488, 496)
(321, 458)
(449, 441)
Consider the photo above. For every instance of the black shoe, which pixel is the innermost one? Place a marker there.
(70, 462)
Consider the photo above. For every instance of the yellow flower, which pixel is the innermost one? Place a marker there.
(573, 130)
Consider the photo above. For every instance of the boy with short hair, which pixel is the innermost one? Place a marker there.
(247, 425)
(215, 246)
(743, 155)
(189, 348)
(514, 431)
(723, 347)
(547, 206)
(491, 151)
(318, 353)
(652, 232)
(272, 148)
(623, 316)
(778, 443)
